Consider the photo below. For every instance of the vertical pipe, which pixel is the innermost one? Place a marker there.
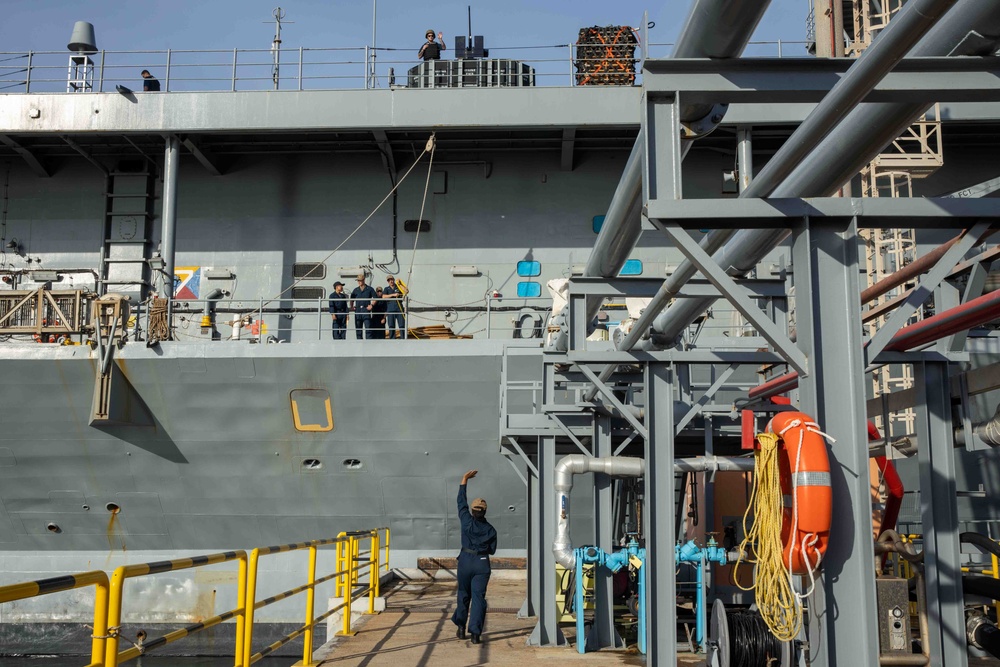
(374, 25)
(489, 315)
(114, 616)
(27, 75)
(572, 79)
(744, 156)
(168, 233)
(366, 66)
(166, 79)
(699, 603)
(251, 603)
(235, 56)
(300, 67)
(307, 644)
(241, 604)
(101, 596)
(581, 640)
(100, 85)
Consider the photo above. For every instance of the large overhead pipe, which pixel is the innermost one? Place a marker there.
(616, 466)
(970, 28)
(714, 29)
(954, 320)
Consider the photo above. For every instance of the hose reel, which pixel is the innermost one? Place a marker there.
(740, 638)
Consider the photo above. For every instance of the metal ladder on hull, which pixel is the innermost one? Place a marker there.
(130, 197)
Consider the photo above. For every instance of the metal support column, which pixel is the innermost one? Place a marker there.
(843, 625)
(658, 520)
(939, 518)
(168, 234)
(535, 546)
(603, 633)
(546, 632)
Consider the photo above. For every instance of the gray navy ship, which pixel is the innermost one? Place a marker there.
(170, 381)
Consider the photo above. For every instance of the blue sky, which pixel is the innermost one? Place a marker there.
(45, 25)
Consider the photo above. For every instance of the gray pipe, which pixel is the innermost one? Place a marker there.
(616, 466)
(850, 146)
(714, 29)
(171, 164)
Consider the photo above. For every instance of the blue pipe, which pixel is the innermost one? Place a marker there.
(692, 553)
(614, 561)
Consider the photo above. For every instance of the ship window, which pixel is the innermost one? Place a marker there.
(312, 410)
(308, 292)
(528, 269)
(597, 223)
(633, 267)
(309, 270)
(529, 290)
(411, 225)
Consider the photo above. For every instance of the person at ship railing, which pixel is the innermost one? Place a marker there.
(150, 84)
(338, 311)
(361, 304)
(378, 315)
(479, 542)
(393, 313)
(431, 50)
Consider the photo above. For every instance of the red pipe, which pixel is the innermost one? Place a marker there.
(893, 485)
(960, 318)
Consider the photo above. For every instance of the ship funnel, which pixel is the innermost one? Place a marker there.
(83, 40)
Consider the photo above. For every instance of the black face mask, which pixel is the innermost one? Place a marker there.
(478, 516)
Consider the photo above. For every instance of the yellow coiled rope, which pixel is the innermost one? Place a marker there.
(776, 599)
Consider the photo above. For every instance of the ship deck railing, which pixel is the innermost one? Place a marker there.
(361, 560)
(345, 68)
(304, 320)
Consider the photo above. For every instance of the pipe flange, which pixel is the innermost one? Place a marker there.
(973, 621)
(704, 126)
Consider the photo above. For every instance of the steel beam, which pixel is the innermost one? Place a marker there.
(661, 587)
(603, 633)
(939, 518)
(385, 149)
(568, 149)
(705, 398)
(86, 154)
(206, 159)
(923, 289)
(535, 551)
(546, 631)
(804, 80)
(605, 391)
(34, 164)
(828, 318)
(738, 298)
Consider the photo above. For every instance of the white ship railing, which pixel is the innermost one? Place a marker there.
(346, 68)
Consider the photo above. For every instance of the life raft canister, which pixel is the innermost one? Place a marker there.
(804, 466)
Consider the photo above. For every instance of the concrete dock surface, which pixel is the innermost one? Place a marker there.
(416, 630)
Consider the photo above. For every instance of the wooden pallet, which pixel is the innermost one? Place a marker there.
(436, 332)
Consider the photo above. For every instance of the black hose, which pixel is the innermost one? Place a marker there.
(984, 543)
(750, 641)
(978, 584)
(987, 637)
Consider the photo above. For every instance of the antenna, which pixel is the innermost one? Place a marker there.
(470, 25)
(279, 16)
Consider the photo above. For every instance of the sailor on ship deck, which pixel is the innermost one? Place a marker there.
(479, 542)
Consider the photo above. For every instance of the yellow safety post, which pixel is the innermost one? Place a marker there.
(348, 588)
(251, 598)
(307, 648)
(355, 553)
(377, 550)
(373, 573)
(241, 604)
(386, 548)
(95, 578)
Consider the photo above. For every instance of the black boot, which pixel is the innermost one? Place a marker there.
(476, 639)
(460, 633)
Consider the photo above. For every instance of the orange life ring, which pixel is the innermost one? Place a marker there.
(805, 483)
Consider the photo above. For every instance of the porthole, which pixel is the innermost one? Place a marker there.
(114, 508)
(352, 464)
(312, 464)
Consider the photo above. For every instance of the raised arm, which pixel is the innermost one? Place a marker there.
(463, 499)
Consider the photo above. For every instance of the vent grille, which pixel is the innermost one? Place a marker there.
(309, 271)
(308, 292)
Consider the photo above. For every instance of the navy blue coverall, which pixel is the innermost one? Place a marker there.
(479, 542)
